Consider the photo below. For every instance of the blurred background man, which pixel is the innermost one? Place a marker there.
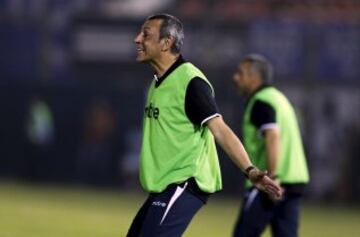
(272, 138)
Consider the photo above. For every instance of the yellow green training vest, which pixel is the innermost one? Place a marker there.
(291, 167)
(173, 148)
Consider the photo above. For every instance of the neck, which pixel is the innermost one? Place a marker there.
(162, 64)
(254, 87)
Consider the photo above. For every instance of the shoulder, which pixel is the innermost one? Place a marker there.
(262, 114)
(198, 85)
(261, 105)
(190, 71)
(200, 103)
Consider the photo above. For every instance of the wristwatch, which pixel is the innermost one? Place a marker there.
(248, 169)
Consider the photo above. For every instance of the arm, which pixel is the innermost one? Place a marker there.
(263, 117)
(272, 142)
(201, 109)
(228, 141)
(226, 138)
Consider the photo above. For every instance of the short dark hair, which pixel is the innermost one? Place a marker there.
(170, 27)
(260, 64)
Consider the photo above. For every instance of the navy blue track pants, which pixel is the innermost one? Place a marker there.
(258, 211)
(166, 214)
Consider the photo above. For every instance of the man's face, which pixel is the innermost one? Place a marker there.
(148, 43)
(243, 77)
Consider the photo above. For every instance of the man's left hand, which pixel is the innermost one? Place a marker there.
(264, 183)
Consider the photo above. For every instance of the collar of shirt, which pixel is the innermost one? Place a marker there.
(176, 64)
(263, 86)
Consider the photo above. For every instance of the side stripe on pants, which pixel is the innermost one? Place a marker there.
(176, 195)
(251, 198)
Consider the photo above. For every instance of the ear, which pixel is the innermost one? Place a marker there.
(167, 43)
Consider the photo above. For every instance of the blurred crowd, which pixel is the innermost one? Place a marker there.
(309, 10)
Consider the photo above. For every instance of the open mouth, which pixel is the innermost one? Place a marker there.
(139, 50)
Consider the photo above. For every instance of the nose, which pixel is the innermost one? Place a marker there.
(137, 39)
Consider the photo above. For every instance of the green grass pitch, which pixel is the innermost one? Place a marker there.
(44, 211)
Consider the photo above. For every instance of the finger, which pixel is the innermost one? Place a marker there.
(273, 190)
(267, 184)
(268, 181)
(278, 194)
(275, 187)
(277, 197)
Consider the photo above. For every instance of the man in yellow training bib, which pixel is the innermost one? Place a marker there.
(179, 165)
(272, 139)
